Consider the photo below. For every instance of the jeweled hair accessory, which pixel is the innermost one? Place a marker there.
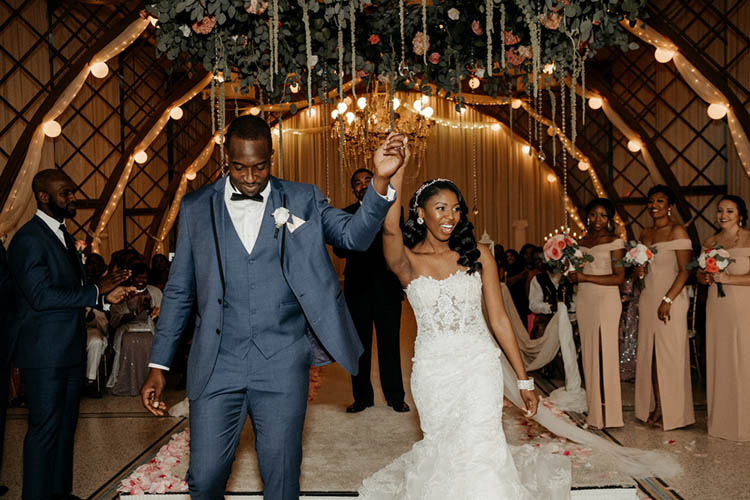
(425, 186)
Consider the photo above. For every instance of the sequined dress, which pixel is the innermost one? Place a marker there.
(457, 384)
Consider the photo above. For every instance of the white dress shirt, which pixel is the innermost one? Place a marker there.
(54, 225)
(246, 215)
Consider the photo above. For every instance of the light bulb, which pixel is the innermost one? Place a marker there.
(417, 104)
(634, 145)
(335, 114)
(275, 131)
(551, 178)
(549, 68)
(176, 113)
(717, 111)
(595, 102)
(396, 103)
(583, 165)
(294, 87)
(254, 110)
(190, 176)
(350, 117)
(361, 103)
(428, 112)
(219, 77)
(526, 149)
(515, 103)
(140, 157)
(474, 82)
(218, 139)
(152, 20)
(342, 107)
(99, 69)
(463, 110)
(663, 55)
(495, 127)
(52, 128)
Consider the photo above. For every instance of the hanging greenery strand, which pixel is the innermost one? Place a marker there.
(275, 37)
(281, 145)
(502, 35)
(424, 29)
(553, 105)
(403, 37)
(271, 48)
(563, 139)
(340, 50)
(308, 50)
(354, 48)
(489, 28)
(583, 87)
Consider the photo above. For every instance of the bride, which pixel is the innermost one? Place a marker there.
(457, 377)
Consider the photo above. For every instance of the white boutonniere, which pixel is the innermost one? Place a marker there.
(280, 216)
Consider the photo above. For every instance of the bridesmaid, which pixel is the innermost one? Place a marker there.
(598, 311)
(663, 392)
(727, 320)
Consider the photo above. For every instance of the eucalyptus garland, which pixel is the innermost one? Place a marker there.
(266, 41)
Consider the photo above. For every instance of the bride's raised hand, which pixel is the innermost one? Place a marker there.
(531, 401)
(392, 154)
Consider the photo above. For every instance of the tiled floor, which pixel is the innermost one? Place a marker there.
(115, 434)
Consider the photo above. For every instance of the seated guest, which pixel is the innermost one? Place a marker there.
(96, 329)
(515, 278)
(134, 320)
(500, 261)
(545, 290)
(159, 271)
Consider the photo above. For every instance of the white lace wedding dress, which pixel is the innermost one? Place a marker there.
(457, 384)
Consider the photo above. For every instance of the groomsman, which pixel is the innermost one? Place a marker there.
(48, 337)
(6, 310)
(373, 295)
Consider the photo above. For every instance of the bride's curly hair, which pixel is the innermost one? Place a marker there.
(462, 238)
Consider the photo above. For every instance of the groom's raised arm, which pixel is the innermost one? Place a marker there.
(356, 232)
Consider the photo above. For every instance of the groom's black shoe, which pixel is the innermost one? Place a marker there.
(399, 406)
(357, 407)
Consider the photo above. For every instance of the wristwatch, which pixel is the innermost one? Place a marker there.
(666, 299)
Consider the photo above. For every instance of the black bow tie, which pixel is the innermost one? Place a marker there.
(240, 196)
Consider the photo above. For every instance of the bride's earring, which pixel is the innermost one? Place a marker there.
(420, 220)
(669, 212)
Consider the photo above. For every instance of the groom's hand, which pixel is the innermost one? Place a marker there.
(393, 154)
(151, 392)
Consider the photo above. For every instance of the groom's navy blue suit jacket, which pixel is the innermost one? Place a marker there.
(195, 274)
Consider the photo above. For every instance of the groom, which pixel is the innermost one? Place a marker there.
(251, 251)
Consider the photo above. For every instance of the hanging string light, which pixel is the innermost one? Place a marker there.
(308, 52)
(354, 49)
(502, 36)
(424, 29)
(489, 28)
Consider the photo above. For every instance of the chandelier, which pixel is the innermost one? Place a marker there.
(360, 130)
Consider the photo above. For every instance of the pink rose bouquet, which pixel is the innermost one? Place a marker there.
(637, 254)
(562, 253)
(712, 260)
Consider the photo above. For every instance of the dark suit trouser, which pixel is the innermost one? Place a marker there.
(4, 387)
(273, 392)
(53, 396)
(386, 316)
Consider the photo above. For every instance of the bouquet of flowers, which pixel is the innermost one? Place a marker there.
(561, 252)
(712, 260)
(637, 254)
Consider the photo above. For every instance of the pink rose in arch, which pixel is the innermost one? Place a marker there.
(510, 38)
(205, 25)
(434, 58)
(374, 39)
(476, 28)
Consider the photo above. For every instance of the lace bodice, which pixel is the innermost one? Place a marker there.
(449, 307)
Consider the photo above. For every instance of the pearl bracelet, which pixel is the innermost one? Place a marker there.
(526, 385)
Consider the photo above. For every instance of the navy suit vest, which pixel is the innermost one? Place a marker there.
(259, 306)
